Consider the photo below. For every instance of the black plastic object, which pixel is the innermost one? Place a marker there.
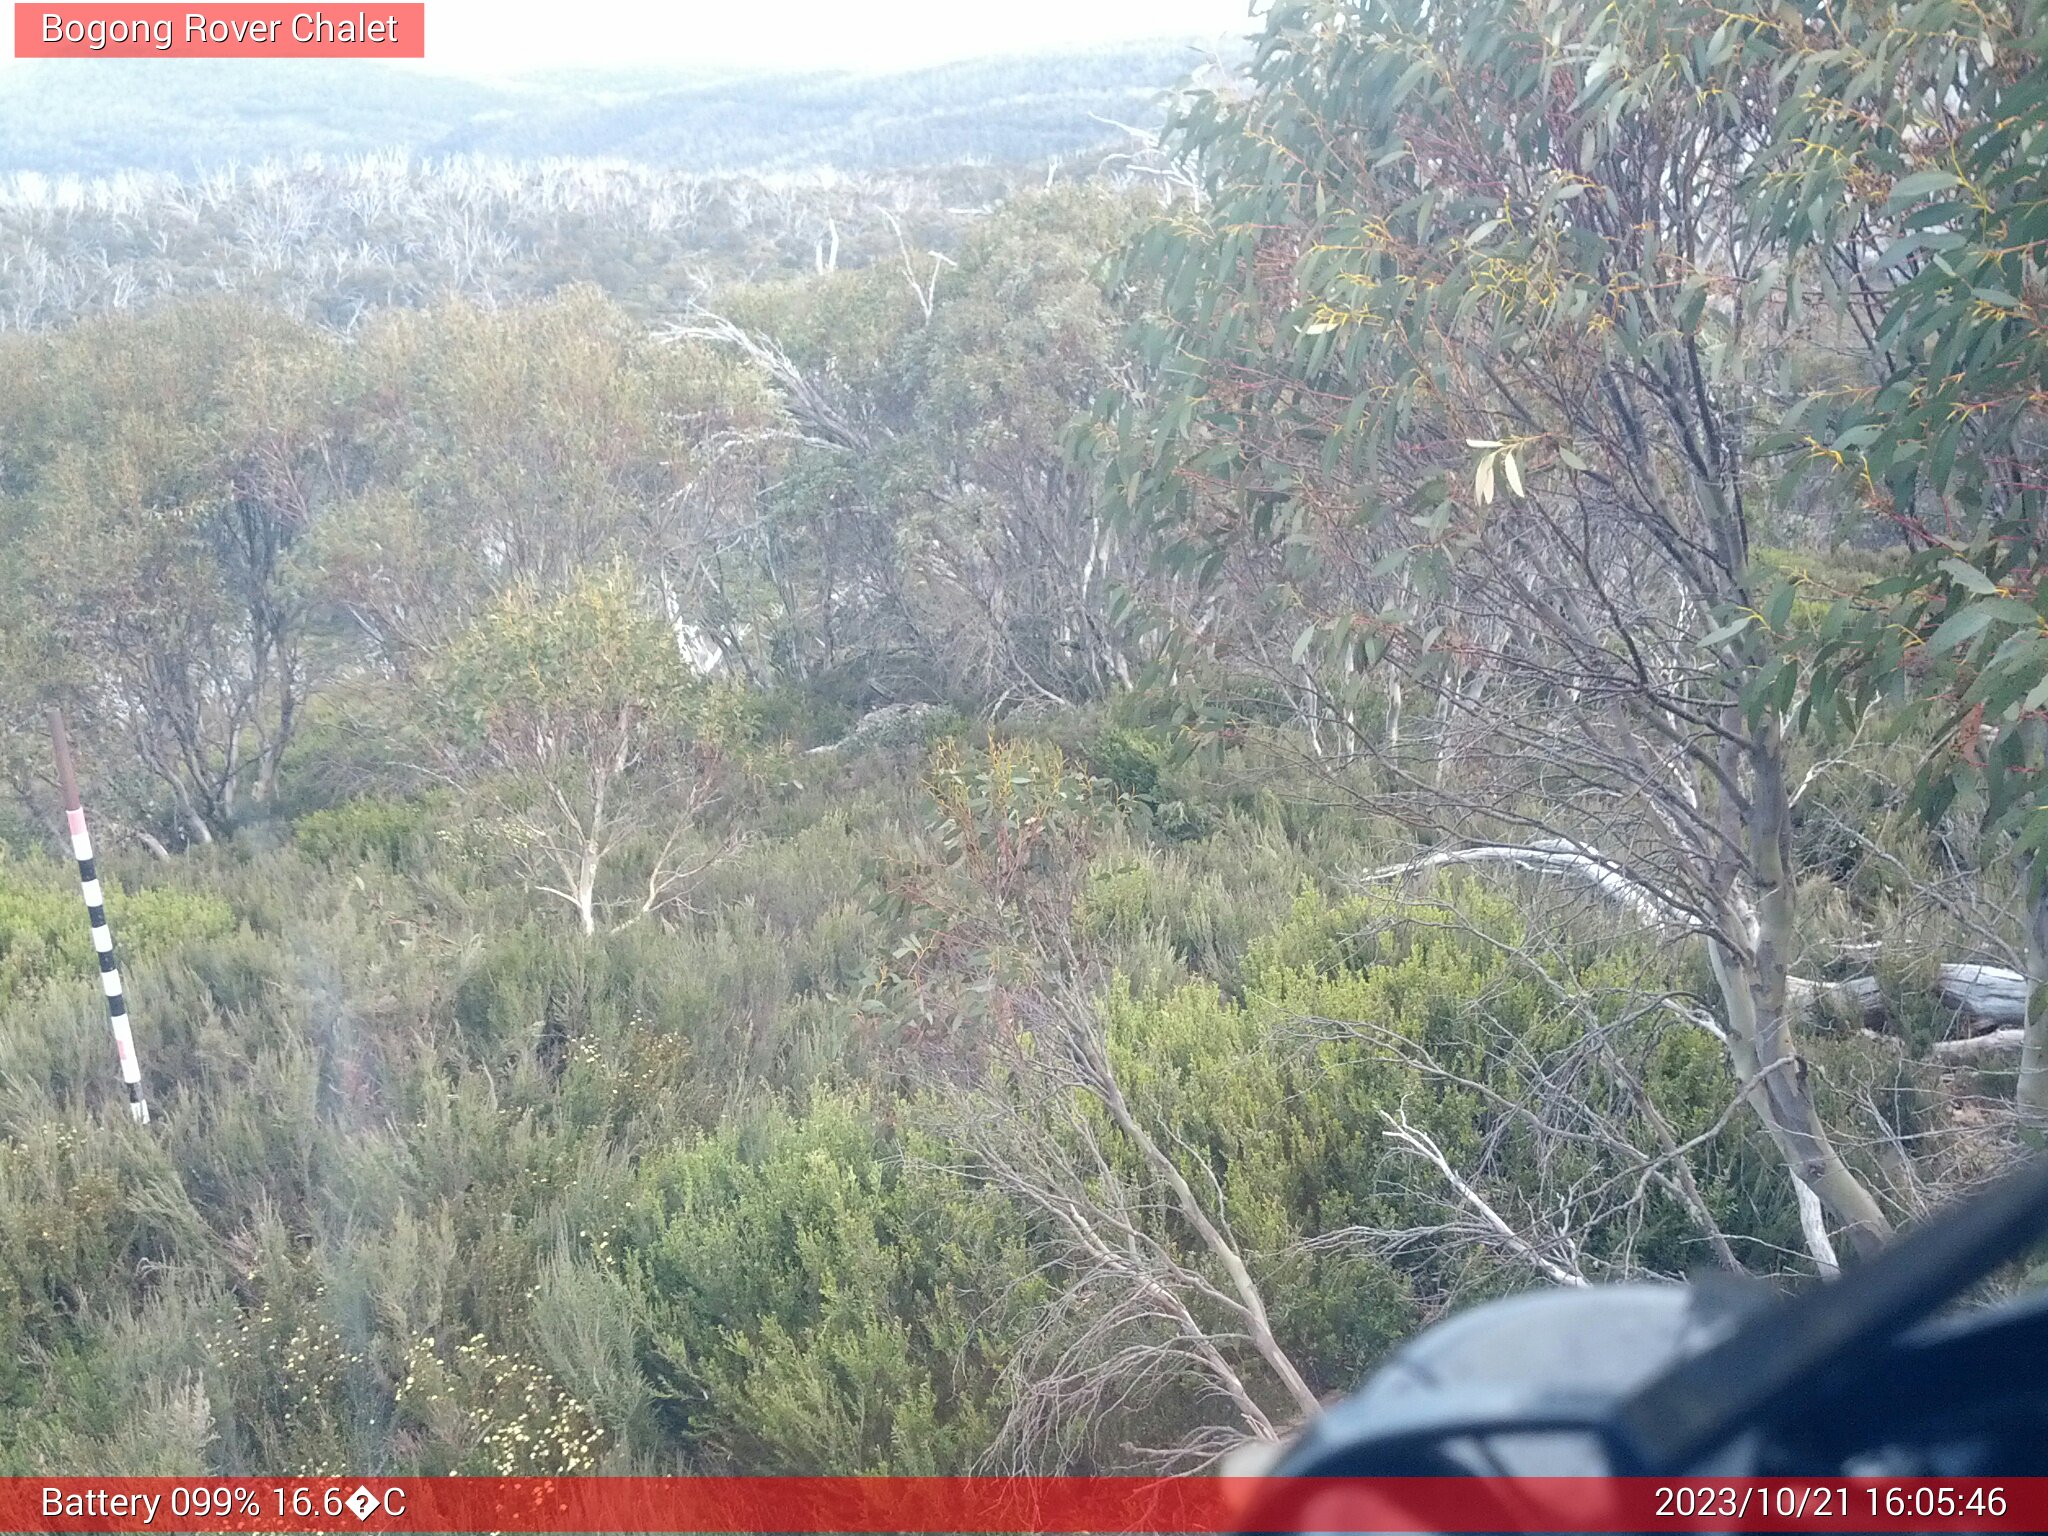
(1791, 1351)
(1651, 1380)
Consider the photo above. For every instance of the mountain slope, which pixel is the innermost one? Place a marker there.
(100, 117)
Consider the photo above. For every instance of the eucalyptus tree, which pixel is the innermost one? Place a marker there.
(581, 744)
(1910, 159)
(1458, 383)
(511, 447)
(161, 475)
(910, 513)
(1020, 567)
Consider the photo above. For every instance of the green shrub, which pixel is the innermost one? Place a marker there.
(822, 1298)
(44, 932)
(390, 834)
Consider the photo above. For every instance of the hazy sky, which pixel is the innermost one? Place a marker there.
(514, 36)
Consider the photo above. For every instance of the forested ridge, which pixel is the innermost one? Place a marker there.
(1007, 818)
(102, 116)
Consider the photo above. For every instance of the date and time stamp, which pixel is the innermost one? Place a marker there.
(1846, 1503)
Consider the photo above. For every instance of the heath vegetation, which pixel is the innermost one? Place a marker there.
(980, 819)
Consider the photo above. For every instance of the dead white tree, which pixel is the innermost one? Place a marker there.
(1492, 1226)
(821, 417)
(1575, 1144)
(923, 289)
(1153, 1289)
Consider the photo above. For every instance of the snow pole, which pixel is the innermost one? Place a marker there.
(96, 913)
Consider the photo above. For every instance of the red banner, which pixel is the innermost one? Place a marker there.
(942, 1506)
(228, 31)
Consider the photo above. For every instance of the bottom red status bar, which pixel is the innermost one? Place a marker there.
(936, 1505)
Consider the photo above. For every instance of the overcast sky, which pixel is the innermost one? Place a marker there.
(517, 36)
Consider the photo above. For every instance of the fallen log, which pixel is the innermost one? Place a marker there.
(1998, 1046)
(1554, 856)
(1989, 996)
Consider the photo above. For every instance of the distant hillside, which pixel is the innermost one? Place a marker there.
(103, 116)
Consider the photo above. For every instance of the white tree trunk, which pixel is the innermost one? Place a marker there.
(1813, 1225)
(2032, 1092)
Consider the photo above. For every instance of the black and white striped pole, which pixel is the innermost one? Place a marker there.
(96, 913)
